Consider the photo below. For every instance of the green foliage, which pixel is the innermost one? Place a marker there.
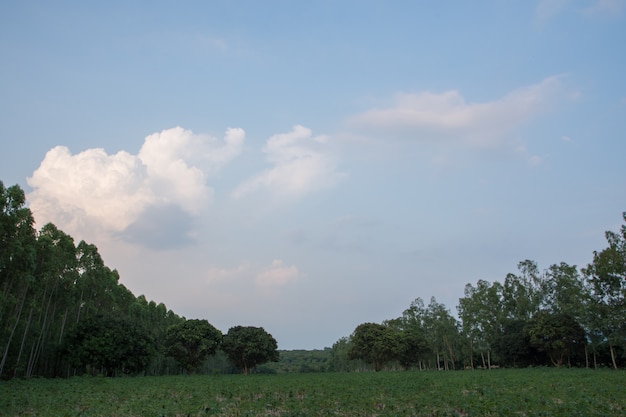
(527, 392)
(411, 346)
(294, 361)
(512, 346)
(109, 345)
(374, 344)
(557, 334)
(248, 346)
(607, 276)
(191, 341)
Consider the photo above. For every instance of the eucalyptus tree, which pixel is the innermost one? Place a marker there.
(157, 319)
(522, 294)
(607, 277)
(567, 293)
(55, 275)
(17, 266)
(413, 321)
(442, 334)
(480, 311)
(96, 284)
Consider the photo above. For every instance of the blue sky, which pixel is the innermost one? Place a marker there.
(310, 166)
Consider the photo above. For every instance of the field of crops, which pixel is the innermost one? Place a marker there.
(528, 392)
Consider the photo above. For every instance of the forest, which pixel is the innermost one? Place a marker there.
(63, 312)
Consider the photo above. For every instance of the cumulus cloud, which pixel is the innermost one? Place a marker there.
(93, 190)
(301, 164)
(448, 115)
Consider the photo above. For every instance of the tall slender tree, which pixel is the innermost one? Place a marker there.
(17, 267)
(607, 277)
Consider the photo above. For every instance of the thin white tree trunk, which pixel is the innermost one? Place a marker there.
(19, 356)
(17, 321)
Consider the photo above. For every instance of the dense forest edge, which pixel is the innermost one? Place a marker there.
(63, 313)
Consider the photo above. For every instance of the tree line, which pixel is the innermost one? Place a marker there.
(560, 316)
(63, 312)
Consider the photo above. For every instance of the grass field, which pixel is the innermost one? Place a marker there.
(527, 392)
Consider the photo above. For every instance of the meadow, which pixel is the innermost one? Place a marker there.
(523, 392)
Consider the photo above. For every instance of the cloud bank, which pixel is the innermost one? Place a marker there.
(97, 192)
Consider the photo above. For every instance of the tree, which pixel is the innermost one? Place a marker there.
(607, 277)
(248, 346)
(557, 334)
(480, 312)
(191, 342)
(442, 334)
(512, 346)
(339, 355)
(411, 346)
(111, 345)
(17, 265)
(522, 295)
(566, 292)
(375, 344)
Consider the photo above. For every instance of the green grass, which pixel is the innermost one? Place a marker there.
(528, 392)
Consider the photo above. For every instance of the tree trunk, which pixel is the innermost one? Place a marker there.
(19, 356)
(613, 355)
(17, 321)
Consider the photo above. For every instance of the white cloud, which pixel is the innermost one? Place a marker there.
(92, 190)
(89, 187)
(277, 275)
(428, 116)
(301, 164)
(178, 161)
(250, 279)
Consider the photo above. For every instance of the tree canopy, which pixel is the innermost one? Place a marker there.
(110, 346)
(248, 346)
(190, 342)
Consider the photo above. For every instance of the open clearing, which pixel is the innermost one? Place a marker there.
(526, 392)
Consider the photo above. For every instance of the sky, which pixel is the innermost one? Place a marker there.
(308, 166)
